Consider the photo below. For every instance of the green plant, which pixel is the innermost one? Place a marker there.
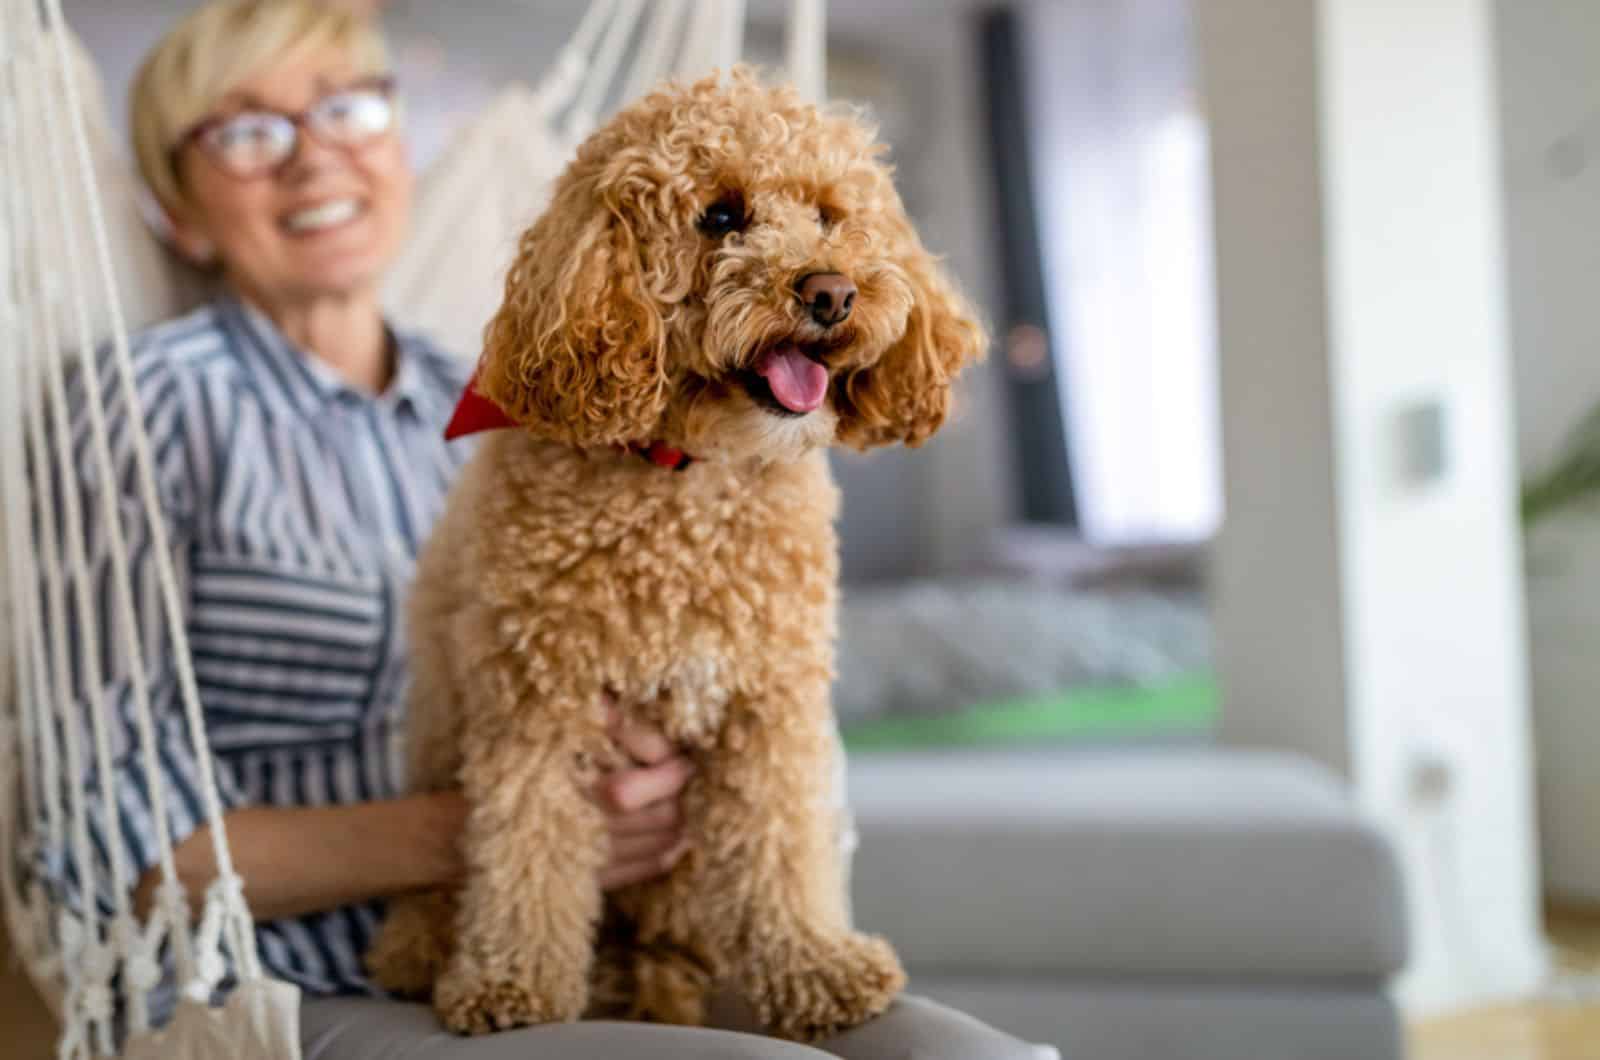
(1574, 477)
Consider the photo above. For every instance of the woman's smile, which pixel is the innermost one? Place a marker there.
(323, 217)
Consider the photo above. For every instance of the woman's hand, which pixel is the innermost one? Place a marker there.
(640, 800)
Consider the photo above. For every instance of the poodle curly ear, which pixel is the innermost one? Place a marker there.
(905, 395)
(576, 352)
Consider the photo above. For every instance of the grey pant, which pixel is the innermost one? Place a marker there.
(913, 1029)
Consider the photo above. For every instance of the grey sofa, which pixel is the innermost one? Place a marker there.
(1193, 903)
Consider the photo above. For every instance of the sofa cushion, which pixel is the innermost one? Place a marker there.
(1180, 861)
(1182, 1019)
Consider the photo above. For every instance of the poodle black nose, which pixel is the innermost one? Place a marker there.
(828, 296)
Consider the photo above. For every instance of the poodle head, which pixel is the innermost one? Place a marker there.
(728, 270)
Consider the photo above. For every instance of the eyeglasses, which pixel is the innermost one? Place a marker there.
(253, 143)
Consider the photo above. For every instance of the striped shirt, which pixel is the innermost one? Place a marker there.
(295, 505)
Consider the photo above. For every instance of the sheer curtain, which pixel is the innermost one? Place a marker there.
(1123, 190)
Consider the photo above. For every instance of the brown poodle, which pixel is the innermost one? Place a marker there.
(724, 284)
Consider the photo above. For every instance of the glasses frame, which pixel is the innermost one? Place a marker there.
(300, 121)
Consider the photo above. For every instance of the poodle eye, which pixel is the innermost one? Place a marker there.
(827, 215)
(724, 216)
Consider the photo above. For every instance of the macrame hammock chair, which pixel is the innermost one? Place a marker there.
(79, 268)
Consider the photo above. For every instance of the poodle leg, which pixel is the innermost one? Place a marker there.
(527, 915)
(414, 942)
(767, 878)
(670, 986)
(413, 945)
(611, 984)
(669, 967)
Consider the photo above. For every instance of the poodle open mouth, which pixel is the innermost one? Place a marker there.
(788, 378)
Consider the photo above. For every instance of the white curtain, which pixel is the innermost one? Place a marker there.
(1121, 177)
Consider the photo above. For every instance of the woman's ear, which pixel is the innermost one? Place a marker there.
(576, 352)
(188, 238)
(905, 396)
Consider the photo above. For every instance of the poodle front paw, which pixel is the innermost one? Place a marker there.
(469, 1004)
(832, 988)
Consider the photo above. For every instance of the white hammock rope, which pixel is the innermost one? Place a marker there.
(92, 957)
(97, 963)
(29, 919)
(729, 38)
(699, 52)
(36, 696)
(607, 58)
(661, 37)
(805, 48)
(83, 952)
(21, 736)
(561, 82)
(125, 938)
(228, 889)
(90, 989)
(17, 729)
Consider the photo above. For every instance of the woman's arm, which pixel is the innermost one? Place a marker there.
(299, 860)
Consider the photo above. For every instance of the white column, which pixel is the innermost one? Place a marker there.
(1368, 581)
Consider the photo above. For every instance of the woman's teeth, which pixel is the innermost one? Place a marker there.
(325, 216)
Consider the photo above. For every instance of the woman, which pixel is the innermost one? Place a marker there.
(299, 455)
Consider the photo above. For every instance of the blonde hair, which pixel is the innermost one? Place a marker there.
(215, 49)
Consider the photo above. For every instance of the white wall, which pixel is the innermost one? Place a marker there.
(1367, 617)
(1549, 53)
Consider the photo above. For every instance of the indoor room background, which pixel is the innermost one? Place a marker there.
(1284, 445)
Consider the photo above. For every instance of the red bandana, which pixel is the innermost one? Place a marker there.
(475, 413)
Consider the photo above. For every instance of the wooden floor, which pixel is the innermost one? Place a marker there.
(1565, 1026)
(1546, 1030)
(26, 1028)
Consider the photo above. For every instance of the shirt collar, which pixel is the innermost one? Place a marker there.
(412, 387)
(296, 379)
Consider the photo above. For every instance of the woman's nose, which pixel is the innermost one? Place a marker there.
(308, 157)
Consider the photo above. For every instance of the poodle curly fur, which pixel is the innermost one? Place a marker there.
(566, 568)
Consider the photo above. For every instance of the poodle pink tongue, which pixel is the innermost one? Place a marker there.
(798, 382)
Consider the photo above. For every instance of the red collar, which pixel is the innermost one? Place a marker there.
(662, 455)
(475, 413)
